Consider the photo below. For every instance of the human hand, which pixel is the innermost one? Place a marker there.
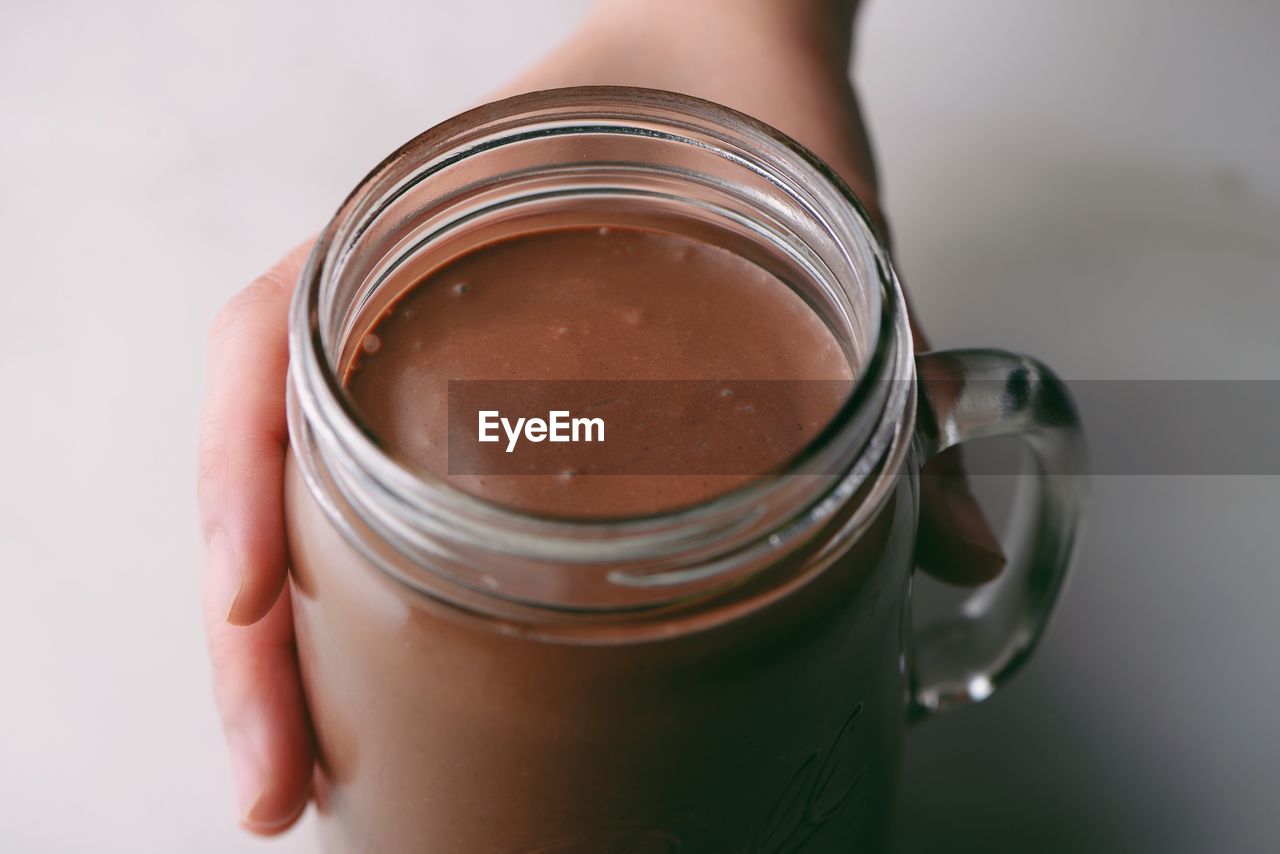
(786, 64)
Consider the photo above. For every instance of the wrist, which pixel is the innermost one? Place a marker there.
(822, 27)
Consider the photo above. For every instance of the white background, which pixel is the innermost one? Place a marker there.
(1097, 183)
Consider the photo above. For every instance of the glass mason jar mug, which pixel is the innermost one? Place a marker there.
(734, 676)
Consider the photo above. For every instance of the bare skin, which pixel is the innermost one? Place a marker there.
(782, 61)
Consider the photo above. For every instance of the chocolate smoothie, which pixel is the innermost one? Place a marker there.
(603, 304)
(448, 732)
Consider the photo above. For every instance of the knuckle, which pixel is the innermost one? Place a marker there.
(209, 454)
(266, 291)
(227, 664)
(280, 278)
(239, 310)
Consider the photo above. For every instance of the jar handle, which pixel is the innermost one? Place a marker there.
(978, 394)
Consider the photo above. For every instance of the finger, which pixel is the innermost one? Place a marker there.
(260, 701)
(243, 437)
(955, 542)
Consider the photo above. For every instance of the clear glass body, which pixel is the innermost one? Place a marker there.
(440, 730)
(733, 677)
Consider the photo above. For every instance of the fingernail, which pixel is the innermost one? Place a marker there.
(227, 578)
(970, 530)
(246, 775)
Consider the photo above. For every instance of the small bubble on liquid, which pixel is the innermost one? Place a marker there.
(748, 409)
(568, 474)
(408, 313)
(461, 288)
(371, 343)
(726, 392)
(604, 231)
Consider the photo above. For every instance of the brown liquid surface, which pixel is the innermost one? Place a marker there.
(596, 304)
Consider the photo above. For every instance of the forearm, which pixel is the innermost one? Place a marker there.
(829, 11)
(825, 26)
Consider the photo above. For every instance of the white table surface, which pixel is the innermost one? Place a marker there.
(1095, 183)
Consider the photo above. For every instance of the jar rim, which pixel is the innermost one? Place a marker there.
(314, 373)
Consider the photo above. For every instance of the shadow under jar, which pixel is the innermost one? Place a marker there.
(734, 676)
